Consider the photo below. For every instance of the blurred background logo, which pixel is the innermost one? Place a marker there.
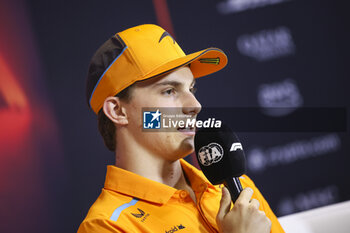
(267, 44)
(279, 98)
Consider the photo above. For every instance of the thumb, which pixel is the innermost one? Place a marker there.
(225, 204)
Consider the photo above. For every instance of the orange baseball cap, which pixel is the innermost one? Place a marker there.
(140, 53)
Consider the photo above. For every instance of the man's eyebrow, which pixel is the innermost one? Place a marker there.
(171, 83)
(174, 83)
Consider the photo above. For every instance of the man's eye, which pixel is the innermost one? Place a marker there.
(170, 91)
(193, 90)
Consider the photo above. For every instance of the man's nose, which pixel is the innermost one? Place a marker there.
(191, 105)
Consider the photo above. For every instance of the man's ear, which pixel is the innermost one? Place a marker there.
(114, 111)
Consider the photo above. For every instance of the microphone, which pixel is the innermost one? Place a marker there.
(221, 157)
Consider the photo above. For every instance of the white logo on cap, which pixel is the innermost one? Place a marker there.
(212, 153)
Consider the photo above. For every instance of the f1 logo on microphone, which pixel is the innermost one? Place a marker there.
(236, 146)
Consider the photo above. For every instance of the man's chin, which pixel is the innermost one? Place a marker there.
(187, 145)
(184, 147)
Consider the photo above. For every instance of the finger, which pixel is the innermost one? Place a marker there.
(262, 212)
(225, 203)
(269, 222)
(255, 203)
(245, 195)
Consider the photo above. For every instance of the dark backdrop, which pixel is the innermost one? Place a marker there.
(287, 53)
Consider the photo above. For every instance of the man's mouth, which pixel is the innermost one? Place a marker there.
(190, 131)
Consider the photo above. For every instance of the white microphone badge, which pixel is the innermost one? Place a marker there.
(236, 146)
(212, 153)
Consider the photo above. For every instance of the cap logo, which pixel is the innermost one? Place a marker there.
(165, 34)
(215, 61)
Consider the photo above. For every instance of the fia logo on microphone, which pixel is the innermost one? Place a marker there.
(212, 153)
(151, 120)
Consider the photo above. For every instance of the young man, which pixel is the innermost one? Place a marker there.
(151, 188)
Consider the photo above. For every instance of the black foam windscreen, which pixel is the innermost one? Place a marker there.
(219, 154)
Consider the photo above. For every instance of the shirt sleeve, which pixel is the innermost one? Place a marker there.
(264, 206)
(97, 225)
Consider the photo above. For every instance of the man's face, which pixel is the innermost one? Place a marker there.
(173, 90)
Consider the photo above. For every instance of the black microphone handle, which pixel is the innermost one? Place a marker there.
(234, 187)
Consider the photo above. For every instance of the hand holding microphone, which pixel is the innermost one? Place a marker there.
(244, 217)
(222, 160)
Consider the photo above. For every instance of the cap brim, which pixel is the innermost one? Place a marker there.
(203, 63)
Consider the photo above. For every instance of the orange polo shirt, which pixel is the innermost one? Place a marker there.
(132, 203)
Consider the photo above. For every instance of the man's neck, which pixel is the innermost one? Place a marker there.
(152, 167)
(140, 161)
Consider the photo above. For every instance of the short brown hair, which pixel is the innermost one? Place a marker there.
(106, 126)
